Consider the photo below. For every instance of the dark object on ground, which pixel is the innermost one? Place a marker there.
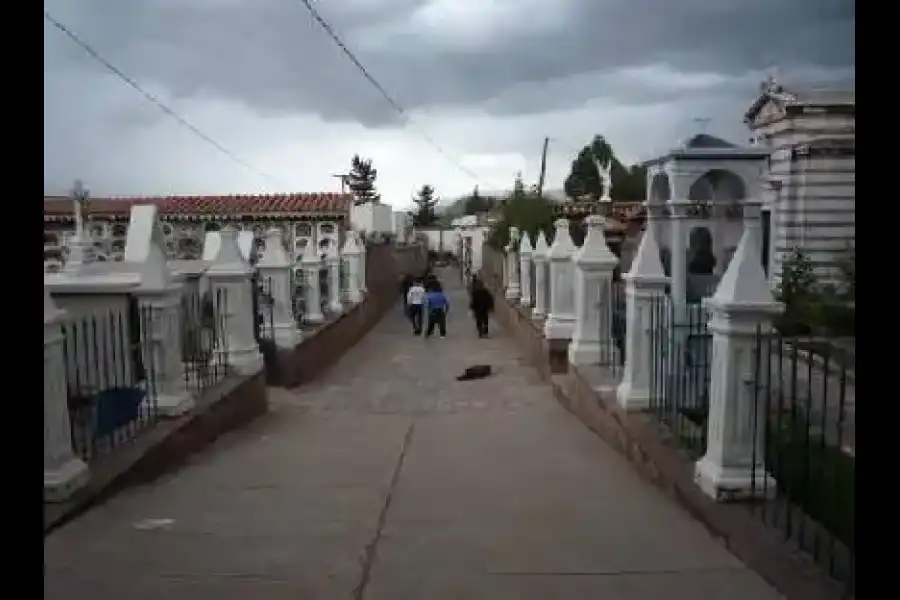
(475, 372)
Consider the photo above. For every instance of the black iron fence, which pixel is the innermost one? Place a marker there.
(680, 360)
(110, 374)
(204, 344)
(532, 288)
(345, 281)
(805, 402)
(612, 323)
(263, 307)
(298, 295)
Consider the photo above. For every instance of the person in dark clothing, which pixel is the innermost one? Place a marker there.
(405, 283)
(436, 305)
(482, 304)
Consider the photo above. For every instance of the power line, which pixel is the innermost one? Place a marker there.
(374, 82)
(153, 99)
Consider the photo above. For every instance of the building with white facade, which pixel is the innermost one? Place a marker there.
(304, 219)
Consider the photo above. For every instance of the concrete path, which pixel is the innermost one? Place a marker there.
(389, 480)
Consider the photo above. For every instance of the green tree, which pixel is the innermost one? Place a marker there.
(361, 181)
(629, 183)
(425, 201)
(525, 210)
(476, 203)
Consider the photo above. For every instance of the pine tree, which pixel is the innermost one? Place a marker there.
(361, 181)
(425, 205)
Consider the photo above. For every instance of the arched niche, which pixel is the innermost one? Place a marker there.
(716, 200)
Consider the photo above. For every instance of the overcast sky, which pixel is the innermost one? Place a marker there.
(485, 79)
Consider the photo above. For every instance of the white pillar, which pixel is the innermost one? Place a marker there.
(525, 252)
(361, 244)
(275, 268)
(513, 291)
(311, 263)
(594, 265)
(161, 343)
(231, 274)
(352, 255)
(678, 249)
(742, 304)
(539, 256)
(64, 473)
(333, 260)
(560, 323)
(646, 280)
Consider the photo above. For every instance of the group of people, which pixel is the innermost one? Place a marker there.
(426, 305)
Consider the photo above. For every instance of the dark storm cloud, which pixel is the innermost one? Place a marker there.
(270, 55)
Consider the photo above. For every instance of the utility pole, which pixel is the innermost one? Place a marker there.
(540, 186)
(344, 177)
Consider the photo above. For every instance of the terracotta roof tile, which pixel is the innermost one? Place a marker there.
(211, 205)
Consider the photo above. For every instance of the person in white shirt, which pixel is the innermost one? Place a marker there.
(415, 301)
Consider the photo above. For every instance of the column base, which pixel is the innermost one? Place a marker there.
(174, 405)
(355, 296)
(724, 484)
(61, 483)
(559, 328)
(525, 302)
(336, 307)
(245, 362)
(287, 336)
(584, 352)
(537, 314)
(315, 317)
(632, 399)
(513, 293)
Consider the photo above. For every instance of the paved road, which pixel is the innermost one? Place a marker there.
(389, 480)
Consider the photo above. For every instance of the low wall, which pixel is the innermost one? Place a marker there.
(230, 404)
(657, 457)
(323, 346)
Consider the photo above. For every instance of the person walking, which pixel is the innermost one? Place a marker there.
(405, 283)
(481, 304)
(415, 300)
(436, 305)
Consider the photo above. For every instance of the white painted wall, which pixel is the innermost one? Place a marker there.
(372, 218)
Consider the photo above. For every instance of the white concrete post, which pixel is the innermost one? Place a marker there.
(513, 291)
(64, 473)
(162, 345)
(160, 296)
(646, 280)
(594, 265)
(333, 260)
(539, 256)
(361, 244)
(678, 256)
(560, 323)
(275, 268)
(311, 263)
(525, 252)
(231, 273)
(742, 304)
(352, 255)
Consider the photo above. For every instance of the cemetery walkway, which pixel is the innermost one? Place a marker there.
(389, 480)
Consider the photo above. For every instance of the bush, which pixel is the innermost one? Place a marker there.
(815, 476)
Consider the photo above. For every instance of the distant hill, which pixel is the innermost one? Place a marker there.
(453, 207)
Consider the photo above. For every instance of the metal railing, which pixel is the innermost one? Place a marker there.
(204, 344)
(263, 306)
(110, 374)
(612, 322)
(805, 424)
(680, 360)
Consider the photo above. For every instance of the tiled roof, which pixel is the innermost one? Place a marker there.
(210, 205)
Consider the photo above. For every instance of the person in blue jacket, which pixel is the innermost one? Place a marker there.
(436, 306)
